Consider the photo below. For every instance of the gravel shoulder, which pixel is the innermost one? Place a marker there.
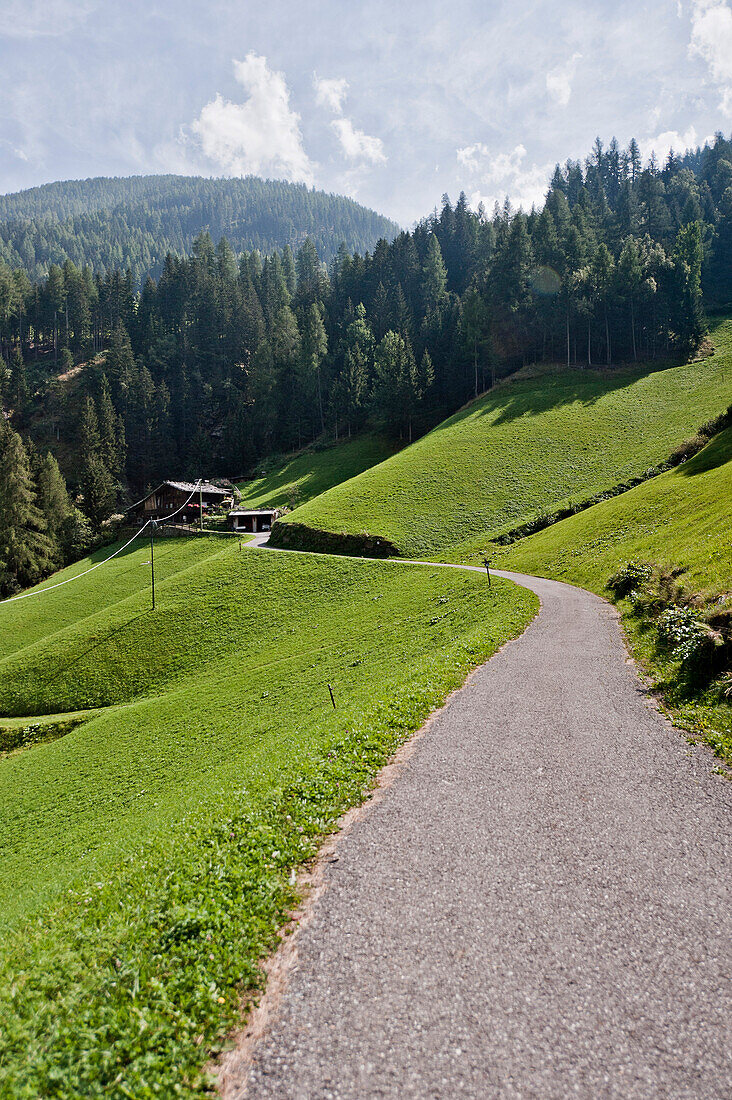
(538, 906)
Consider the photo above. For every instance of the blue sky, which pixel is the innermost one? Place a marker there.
(393, 102)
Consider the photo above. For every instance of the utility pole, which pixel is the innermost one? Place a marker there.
(153, 525)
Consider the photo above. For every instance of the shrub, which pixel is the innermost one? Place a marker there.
(689, 639)
(630, 578)
(688, 449)
(724, 686)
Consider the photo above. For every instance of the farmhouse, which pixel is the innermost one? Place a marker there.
(171, 496)
(254, 520)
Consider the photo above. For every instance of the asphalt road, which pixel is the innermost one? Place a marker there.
(537, 907)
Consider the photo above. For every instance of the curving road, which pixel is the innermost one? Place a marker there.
(537, 907)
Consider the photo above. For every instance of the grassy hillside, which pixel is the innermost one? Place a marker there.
(681, 518)
(312, 472)
(531, 444)
(147, 852)
(680, 521)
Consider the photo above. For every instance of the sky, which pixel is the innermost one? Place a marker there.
(393, 102)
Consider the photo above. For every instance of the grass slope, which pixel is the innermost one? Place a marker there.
(147, 853)
(312, 472)
(679, 519)
(531, 444)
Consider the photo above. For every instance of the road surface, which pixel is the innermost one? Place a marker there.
(538, 907)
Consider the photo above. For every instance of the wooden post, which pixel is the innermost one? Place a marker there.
(152, 561)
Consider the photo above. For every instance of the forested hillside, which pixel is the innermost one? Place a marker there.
(133, 222)
(228, 357)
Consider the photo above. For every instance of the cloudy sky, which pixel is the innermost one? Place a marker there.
(391, 101)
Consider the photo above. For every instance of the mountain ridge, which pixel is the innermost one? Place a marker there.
(133, 221)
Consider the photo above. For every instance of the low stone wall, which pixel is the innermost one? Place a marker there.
(297, 536)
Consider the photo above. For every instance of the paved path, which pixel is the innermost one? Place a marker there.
(538, 907)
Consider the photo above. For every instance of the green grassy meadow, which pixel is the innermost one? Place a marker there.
(532, 444)
(314, 471)
(147, 853)
(679, 520)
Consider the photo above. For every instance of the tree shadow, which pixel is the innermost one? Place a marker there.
(533, 394)
(64, 668)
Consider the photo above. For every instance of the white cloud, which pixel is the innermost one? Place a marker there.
(15, 150)
(331, 93)
(470, 156)
(504, 174)
(42, 18)
(260, 136)
(356, 144)
(661, 144)
(711, 40)
(559, 80)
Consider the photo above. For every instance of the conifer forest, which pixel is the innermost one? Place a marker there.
(219, 358)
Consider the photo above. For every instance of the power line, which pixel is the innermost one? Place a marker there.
(99, 564)
(60, 584)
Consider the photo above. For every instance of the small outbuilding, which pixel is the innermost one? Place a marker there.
(184, 498)
(252, 520)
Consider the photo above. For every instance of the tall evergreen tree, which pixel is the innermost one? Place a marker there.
(26, 551)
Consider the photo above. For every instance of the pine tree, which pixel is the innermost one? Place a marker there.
(111, 432)
(690, 324)
(98, 489)
(120, 363)
(602, 279)
(397, 388)
(475, 328)
(434, 277)
(26, 552)
(630, 275)
(312, 280)
(19, 395)
(54, 503)
(314, 350)
(97, 483)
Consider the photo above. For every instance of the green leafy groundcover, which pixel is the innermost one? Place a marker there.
(127, 989)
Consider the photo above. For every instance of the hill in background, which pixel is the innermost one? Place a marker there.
(133, 222)
(530, 444)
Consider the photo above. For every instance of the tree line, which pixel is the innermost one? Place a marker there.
(133, 222)
(227, 358)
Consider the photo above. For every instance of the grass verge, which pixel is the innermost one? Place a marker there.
(149, 853)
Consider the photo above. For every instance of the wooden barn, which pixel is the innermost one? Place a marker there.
(252, 520)
(171, 496)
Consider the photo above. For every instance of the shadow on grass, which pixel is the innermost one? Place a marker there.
(716, 453)
(63, 669)
(553, 390)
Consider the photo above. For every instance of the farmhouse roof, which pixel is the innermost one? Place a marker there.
(190, 486)
(252, 511)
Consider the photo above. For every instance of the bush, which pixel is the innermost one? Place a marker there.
(688, 449)
(689, 639)
(631, 577)
(695, 631)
